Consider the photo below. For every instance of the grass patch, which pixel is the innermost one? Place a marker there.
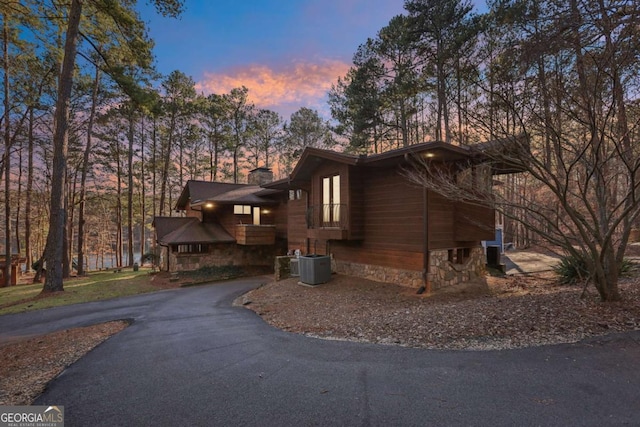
(94, 287)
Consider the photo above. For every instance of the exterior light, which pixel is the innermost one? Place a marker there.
(429, 155)
(266, 211)
(208, 205)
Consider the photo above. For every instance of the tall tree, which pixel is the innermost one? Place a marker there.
(267, 126)
(581, 167)
(125, 16)
(7, 152)
(241, 112)
(215, 122)
(84, 173)
(305, 129)
(179, 92)
(441, 28)
(356, 102)
(397, 51)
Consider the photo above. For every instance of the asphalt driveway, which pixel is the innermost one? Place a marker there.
(190, 358)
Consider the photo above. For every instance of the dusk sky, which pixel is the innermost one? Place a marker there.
(287, 52)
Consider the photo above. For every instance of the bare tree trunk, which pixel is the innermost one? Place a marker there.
(83, 178)
(54, 249)
(130, 188)
(143, 183)
(7, 157)
(29, 195)
(118, 207)
(154, 148)
(68, 227)
(167, 161)
(19, 198)
(153, 184)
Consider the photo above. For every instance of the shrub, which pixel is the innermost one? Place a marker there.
(573, 268)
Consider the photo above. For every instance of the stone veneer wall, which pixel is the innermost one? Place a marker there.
(443, 272)
(282, 268)
(224, 254)
(380, 274)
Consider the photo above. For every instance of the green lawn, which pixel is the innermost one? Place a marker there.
(94, 287)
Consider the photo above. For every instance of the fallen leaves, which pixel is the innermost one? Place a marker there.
(29, 364)
(509, 312)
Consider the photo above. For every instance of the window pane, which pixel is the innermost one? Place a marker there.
(336, 199)
(237, 209)
(336, 190)
(326, 200)
(256, 216)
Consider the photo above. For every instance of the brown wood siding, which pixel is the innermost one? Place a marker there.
(392, 212)
(228, 220)
(474, 223)
(387, 215)
(192, 212)
(441, 222)
(356, 228)
(256, 234)
(280, 213)
(392, 222)
(395, 258)
(386, 219)
(297, 224)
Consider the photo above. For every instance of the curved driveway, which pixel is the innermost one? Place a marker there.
(190, 358)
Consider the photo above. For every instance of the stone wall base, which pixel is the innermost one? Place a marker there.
(380, 274)
(443, 273)
(224, 254)
(282, 268)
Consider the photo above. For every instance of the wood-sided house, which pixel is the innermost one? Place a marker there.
(364, 212)
(224, 224)
(360, 209)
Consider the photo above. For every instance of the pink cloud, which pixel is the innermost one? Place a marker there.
(295, 85)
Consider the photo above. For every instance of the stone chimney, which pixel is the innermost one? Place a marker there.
(260, 176)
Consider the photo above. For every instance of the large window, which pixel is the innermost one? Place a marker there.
(331, 200)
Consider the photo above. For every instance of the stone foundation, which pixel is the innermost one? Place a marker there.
(224, 254)
(443, 272)
(282, 268)
(380, 274)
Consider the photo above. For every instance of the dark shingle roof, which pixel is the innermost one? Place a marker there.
(178, 231)
(199, 192)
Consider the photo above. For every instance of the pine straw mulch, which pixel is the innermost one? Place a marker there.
(29, 363)
(504, 313)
